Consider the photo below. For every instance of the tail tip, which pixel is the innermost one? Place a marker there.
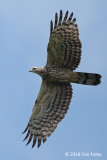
(98, 80)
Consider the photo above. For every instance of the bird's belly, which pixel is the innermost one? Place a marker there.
(59, 75)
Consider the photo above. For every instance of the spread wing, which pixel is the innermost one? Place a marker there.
(49, 109)
(64, 47)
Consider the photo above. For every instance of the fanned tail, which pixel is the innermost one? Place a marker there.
(86, 78)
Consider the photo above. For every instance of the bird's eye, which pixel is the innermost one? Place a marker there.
(34, 68)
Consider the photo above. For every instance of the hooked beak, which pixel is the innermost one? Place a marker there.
(32, 70)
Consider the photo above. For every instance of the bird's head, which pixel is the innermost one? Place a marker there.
(37, 70)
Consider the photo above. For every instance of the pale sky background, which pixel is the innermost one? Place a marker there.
(24, 35)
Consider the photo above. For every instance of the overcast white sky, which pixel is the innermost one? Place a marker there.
(24, 35)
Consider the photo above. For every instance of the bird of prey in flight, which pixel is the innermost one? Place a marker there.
(63, 57)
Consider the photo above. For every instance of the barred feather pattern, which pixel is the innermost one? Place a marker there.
(49, 109)
(64, 47)
(64, 55)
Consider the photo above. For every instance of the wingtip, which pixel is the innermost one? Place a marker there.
(34, 141)
(60, 11)
(39, 144)
(25, 129)
(27, 135)
(74, 20)
(30, 138)
(56, 14)
(44, 139)
(67, 11)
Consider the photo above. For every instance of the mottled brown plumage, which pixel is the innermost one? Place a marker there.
(64, 55)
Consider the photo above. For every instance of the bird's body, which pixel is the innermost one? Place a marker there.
(66, 75)
(64, 55)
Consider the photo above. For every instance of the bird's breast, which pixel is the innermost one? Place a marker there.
(58, 75)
